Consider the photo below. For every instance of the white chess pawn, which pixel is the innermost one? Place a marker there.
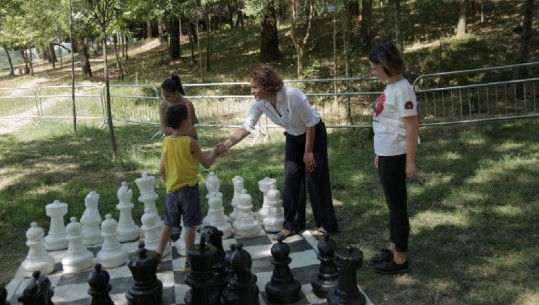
(127, 229)
(275, 218)
(212, 183)
(77, 258)
(56, 239)
(180, 243)
(237, 181)
(264, 186)
(148, 196)
(90, 220)
(37, 259)
(216, 215)
(245, 225)
(151, 230)
(112, 253)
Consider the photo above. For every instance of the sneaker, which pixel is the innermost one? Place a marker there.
(383, 256)
(390, 267)
(186, 267)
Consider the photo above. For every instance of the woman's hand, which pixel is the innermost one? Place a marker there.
(376, 161)
(308, 159)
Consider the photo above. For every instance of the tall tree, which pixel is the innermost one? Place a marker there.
(366, 24)
(524, 49)
(269, 35)
(461, 25)
(299, 44)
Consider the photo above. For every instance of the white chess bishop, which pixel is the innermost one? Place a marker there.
(151, 231)
(112, 253)
(275, 218)
(148, 196)
(56, 239)
(37, 259)
(90, 220)
(77, 258)
(245, 225)
(237, 181)
(264, 186)
(127, 229)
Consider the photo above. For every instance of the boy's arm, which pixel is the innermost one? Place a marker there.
(162, 167)
(205, 161)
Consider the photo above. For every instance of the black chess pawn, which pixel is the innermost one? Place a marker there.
(283, 288)
(200, 277)
(99, 281)
(38, 291)
(146, 289)
(348, 260)
(327, 276)
(242, 288)
(3, 296)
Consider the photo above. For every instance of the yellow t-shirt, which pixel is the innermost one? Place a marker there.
(181, 166)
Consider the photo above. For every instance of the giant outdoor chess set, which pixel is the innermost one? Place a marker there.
(69, 256)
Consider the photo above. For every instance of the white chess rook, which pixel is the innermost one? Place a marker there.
(237, 181)
(245, 225)
(127, 229)
(77, 258)
(148, 196)
(151, 229)
(275, 218)
(264, 186)
(56, 239)
(37, 259)
(90, 220)
(112, 253)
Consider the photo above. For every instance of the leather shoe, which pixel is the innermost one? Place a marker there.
(383, 256)
(390, 267)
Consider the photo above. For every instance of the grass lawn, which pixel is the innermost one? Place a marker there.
(473, 209)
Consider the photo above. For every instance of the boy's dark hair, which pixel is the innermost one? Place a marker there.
(173, 84)
(389, 57)
(175, 115)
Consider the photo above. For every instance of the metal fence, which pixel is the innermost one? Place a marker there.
(444, 98)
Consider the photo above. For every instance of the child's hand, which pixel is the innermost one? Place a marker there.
(220, 149)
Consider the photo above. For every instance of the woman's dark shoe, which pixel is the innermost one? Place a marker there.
(383, 256)
(283, 235)
(390, 267)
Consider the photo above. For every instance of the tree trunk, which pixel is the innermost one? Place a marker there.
(163, 31)
(366, 24)
(119, 65)
(461, 26)
(192, 41)
(11, 70)
(398, 38)
(51, 54)
(174, 30)
(299, 44)
(107, 96)
(524, 49)
(82, 49)
(149, 29)
(208, 41)
(269, 36)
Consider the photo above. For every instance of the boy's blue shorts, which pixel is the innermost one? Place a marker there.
(185, 203)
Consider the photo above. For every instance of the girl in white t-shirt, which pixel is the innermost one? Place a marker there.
(395, 127)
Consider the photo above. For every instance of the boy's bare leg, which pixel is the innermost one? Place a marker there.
(189, 239)
(163, 239)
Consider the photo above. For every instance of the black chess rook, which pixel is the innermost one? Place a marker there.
(283, 288)
(38, 291)
(349, 260)
(200, 277)
(99, 282)
(146, 289)
(327, 276)
(242, 288)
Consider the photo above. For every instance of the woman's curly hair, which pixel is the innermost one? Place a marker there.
(267, 78)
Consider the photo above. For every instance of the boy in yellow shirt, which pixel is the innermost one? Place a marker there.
(180, 157)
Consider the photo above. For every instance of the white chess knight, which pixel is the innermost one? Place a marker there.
(56, 239)
(264, 186)
(148, 196)
(90, 220)
(37, 259)
(216, 215)
(237, 181)
(127, 229)
(245, 225)
(151, 229)
(275, 218)
(112, 253)
(77, 258)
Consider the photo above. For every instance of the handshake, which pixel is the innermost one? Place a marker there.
(220, 149)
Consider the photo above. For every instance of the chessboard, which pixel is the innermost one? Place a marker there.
(72, 289)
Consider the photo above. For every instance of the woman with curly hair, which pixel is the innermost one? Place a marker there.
(306, 159)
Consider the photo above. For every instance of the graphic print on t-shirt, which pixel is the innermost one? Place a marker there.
(409, 105)
(379, 106)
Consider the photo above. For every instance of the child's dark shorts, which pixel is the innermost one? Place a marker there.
(185, 204)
